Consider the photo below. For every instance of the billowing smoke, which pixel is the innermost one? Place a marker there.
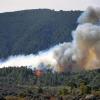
(91, 15)
(82, 53)
(43, 57)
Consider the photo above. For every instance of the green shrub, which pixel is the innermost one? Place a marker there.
(13, 98)
(40, 90)
(84, 89)
(63, 92)
(22, 94)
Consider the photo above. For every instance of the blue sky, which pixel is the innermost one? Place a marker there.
(15, 5)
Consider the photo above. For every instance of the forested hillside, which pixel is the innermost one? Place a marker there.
(23, 84)
(26, 76)
(25, 32)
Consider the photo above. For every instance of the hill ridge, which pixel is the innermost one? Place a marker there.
(30, 31)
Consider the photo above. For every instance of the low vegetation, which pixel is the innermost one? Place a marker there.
(22, 84)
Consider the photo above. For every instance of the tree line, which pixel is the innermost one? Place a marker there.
(27, 76)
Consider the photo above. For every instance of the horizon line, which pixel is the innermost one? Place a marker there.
(11, 11)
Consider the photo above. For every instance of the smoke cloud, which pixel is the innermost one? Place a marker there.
(82, 53)
(91, 15)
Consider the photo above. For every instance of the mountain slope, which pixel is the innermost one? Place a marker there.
(25, 32)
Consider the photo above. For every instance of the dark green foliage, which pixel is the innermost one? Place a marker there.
(22, 94)
(26, 32)
(40, 90)
(15, 75)
(25, 76)
(21, 83)
(63, 92)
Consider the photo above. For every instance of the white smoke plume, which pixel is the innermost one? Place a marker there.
(91, 15)
(82, 53)
(45, 57)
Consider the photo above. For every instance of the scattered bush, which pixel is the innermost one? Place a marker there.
(13, 98)
(63, 91)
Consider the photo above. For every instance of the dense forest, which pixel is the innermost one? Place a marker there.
(30, 31)
(20, 83)
(27, 76)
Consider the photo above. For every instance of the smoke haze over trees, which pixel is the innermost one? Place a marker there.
(27, 32)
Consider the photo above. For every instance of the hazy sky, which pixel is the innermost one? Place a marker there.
(13, 5)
